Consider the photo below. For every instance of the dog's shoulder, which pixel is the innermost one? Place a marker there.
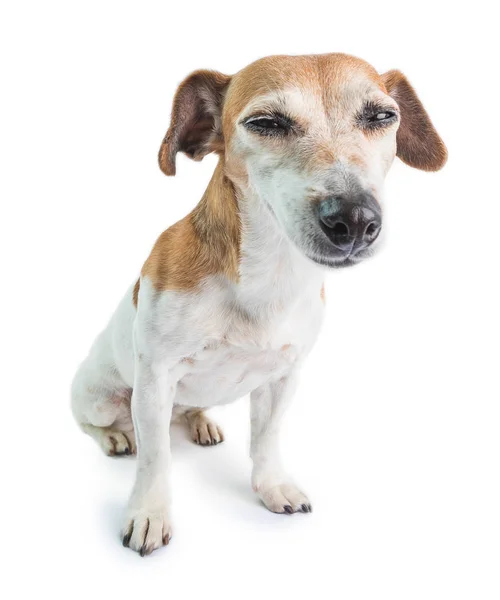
(177, 260)
(206, 242)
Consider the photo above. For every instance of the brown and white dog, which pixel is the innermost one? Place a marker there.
(231, 298)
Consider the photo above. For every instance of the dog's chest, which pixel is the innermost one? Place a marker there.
(242, 360)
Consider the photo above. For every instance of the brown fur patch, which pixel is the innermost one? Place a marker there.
(357, 160)
(323, 74)
(331, 84)
(418, 143)
(206, 242)
(195, 122)
(322, 293)
(135, 295)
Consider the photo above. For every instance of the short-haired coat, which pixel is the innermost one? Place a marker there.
(231, 298)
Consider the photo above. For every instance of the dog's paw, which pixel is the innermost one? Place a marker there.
(117, 443)
(284, 498)
(145, 531)
(203, 430)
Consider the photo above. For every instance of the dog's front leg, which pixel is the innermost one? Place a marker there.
(147, 523)
(269, 479)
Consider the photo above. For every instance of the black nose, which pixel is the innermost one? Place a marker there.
(351, 224)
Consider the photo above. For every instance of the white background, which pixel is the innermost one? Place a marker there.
(394, 433)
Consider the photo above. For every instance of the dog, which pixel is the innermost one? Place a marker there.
(231, 298)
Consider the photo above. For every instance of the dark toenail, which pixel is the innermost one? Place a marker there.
(288, 509)
(305, 508)
(127, 451)
(126, 538)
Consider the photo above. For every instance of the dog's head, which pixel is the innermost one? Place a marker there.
(313, 137)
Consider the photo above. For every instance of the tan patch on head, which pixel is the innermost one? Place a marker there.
(324, 75)
(357, 160)
(206, 242)
(321, 94)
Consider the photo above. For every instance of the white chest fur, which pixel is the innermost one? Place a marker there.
(223, 373)
(243, 359)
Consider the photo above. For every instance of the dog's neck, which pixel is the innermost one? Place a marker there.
(272, 273)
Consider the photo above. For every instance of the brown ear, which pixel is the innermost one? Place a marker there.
(418, 143)
(195, 126)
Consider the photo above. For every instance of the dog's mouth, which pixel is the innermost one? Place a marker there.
(338, 262)
(324, 253)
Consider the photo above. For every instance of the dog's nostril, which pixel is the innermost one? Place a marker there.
(339, 234)
(340, 229)
(371, 231)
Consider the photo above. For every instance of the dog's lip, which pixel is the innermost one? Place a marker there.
(327, 253)
(338, 259)
(334, 262)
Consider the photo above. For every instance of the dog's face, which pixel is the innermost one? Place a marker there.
(313, 137)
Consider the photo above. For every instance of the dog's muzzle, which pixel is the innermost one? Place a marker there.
(351, 224)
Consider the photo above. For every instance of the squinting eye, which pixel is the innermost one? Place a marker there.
(382, 116)
(275, 125)
(265, 123)
(375, 117)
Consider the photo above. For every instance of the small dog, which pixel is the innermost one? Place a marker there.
(231, 298)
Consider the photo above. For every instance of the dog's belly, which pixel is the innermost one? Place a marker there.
(222, 375)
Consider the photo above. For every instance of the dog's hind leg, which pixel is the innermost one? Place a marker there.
(202, 429)
(112, 441)
(101, 406)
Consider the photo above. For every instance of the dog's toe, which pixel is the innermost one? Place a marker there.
(118, 443)
(145, 532)
(203, 430)
(285, 498)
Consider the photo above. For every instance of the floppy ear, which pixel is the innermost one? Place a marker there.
(195, 126)
(418, 143)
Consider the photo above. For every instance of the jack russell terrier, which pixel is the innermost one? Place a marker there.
(231, 298)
